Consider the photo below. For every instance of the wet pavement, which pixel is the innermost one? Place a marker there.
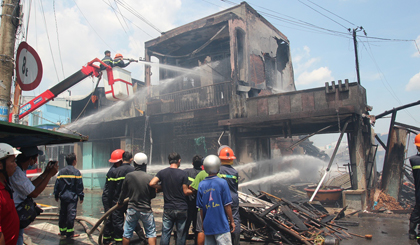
(385, 229)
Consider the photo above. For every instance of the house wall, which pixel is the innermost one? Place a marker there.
(268, 50)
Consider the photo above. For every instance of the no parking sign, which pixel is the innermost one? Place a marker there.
(28, 67)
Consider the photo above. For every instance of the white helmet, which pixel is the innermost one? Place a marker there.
(140, 158)
(212, 164)
(7, 150)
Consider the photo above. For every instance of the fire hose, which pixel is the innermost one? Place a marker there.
(95, 226)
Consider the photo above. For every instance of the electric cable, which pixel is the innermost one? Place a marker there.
(91, 25)
(49, 43)
(116, 11)
(58, 40)
(27, 22)
(116, 15)
(297, 22)
(122, 16)
(331, 12)
(138, 15)
(388, 88)
(323, 15)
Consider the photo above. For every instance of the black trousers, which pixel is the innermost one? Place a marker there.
(415, 215)
(68, 212)
(108, 235)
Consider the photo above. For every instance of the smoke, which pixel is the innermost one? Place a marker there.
(106, 114)
(288, 169)
(282, 177)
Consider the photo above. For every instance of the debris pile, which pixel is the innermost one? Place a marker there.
(268, 218)
(387, 202)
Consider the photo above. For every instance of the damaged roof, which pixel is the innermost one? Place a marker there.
(18, 135)
(204, 29)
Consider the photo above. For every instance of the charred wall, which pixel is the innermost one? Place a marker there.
(270, 65)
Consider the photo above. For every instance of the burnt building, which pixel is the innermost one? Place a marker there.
(232, 55)
(225, 79)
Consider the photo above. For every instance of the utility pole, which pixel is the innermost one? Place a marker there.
(9, 24)
(356, 54)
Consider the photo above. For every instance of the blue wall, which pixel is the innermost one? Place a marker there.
(49, 114)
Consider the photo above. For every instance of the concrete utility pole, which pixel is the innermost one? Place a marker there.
(9, 24)
(356, 54)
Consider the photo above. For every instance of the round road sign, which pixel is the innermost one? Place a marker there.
(28, 67)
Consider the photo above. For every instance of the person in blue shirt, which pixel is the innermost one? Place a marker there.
(214, 201)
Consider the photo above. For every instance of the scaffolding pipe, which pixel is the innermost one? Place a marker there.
(331, 161)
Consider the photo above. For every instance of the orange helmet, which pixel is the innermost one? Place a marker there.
(417, 140)
(116, 155)
(118, 55)
(226, 153)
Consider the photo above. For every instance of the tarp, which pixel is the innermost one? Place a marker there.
(19, 135)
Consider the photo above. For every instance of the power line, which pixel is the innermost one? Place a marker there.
(330, 12)
(296, 22)
(323, 14)
(116, 15)
(58, 41)
(91, 25)
(129, 20)
(135, 13)
(390, 90)
(48, 37)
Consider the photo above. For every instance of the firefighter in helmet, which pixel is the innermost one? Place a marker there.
(415, 215)
(228, 173)
(118, 61)
(108, 194)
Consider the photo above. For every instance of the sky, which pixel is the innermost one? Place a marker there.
(69, 33)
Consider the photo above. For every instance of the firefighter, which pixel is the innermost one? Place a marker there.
(228, 173)
(69, 189)
(415, 214)
(107, 60)
(116, 159)
(117, 178)
(118, 61)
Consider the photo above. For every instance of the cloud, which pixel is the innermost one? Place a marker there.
(87, 28)
(413, 83)
(318, 76)
(417, 46)
(306, 69)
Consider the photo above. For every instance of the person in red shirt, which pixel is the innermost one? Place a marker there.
(9, 220)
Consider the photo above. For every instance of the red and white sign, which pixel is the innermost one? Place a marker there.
(28, 67)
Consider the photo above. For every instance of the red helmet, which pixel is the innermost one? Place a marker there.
(118, 55)
(226, 153)
(116, 155)
(417, 140)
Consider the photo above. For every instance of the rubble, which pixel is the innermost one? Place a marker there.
(387, 202)
(269, 218)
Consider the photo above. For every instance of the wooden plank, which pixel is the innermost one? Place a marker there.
(321, 114)
(296, 103)
(294, 218)
(320, 100)
(308, 102)
(284, 104)
(268, 210)
(262, 109)
(273, 106)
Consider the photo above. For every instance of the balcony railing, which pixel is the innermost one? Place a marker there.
(195, 98)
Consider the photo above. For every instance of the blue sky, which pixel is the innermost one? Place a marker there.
(390, 70)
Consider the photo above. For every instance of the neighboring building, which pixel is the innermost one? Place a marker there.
(56, 111)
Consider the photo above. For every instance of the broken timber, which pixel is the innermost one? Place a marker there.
(272, 219)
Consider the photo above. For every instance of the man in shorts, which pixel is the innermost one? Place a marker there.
(136, 188)
(214, 200)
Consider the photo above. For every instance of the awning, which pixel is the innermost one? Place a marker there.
(19, 135)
